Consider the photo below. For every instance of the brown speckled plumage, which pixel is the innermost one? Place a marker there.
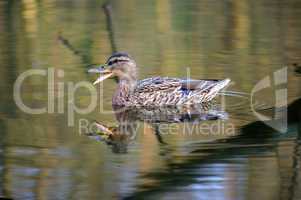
(157, 91)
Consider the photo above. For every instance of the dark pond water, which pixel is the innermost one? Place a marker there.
(41, 157)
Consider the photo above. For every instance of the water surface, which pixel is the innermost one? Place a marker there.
(41, 157)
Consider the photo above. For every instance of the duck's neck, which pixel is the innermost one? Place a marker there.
(124, 89)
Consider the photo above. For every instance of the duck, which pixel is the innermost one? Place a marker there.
(154, 91)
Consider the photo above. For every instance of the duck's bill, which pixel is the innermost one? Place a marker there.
(104, 74)
(102, 77)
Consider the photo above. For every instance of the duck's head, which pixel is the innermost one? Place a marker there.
(119, 65)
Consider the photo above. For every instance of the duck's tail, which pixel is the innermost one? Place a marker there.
(210, 92)
(206, 90)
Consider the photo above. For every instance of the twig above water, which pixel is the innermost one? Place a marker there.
(107, 8)
(65, 42)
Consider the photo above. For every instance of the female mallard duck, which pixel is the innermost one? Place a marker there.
(155, 91)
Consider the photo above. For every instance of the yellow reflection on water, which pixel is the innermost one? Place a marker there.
(30, 17)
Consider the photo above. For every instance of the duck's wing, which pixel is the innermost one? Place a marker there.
(203, 90)
(209, 84)
(158, 84)
(165, 83)
(157, 91)
(191, 84)
(172, 91)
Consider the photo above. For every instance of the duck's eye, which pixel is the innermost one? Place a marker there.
(113, 62)
(116, 61)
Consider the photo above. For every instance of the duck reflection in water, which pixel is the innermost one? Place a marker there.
(208, 160)
(128, 120)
